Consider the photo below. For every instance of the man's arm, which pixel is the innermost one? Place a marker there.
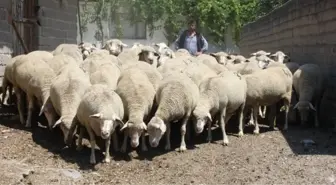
(205, 46)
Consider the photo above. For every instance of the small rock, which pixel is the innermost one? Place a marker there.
(71, 173)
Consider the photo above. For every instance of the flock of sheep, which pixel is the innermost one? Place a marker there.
(143, 89)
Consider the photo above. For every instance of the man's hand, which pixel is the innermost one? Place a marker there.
(198, 53)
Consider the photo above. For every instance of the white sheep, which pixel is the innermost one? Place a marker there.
(23, 69)
(261, 92)
(260, 52)
(221, 57)
(164, 52)
(281, 57)
(198, 72)
(129, 55)
(44, 55)
(212, 63)
(182, 52)
(96, 59)
(7, 81)
(152, 73)
(137, 94)
(100, 111)
(66, 92)
(114, 46)
(69, 49)
(307, 82)
(220, 96)
(176, 98)
(175, 64)
(107, 74)
(87, 48)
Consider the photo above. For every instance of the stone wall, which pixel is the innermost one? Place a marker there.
(305, 29)
(59, 23)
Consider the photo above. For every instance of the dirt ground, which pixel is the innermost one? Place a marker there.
(37, 156)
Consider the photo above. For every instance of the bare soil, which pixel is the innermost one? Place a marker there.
(37, 156)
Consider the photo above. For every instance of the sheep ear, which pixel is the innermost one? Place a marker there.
(209, 117)
(43, 106)
(124, 45)
(144, 126)
(57, 123)
(98, 115)
(312, 107)
(124, 126)
(253, 54)
(267, 54)
(117, 119)
(213, 54)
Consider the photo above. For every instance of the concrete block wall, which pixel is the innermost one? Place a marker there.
(5, 30)
(58, 24)
(305, 29)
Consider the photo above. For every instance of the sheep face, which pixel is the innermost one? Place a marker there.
(263, 61)
(222, 57)
(114, 46)
(280, 57)
(200, 120)
(156, 128)
(148, 56)
(86, 49)
(107, 124)
(65, 124)
(304, 107)
(135, 130)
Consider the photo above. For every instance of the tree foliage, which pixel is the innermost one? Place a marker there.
(213, 16)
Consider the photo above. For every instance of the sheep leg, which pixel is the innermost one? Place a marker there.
(222, 125)
(124, 145)
(316, 120)
(240, 119)
(143, 143)
(19, 96)
(30, 110)
(272, 116)
(255, 117)
(115, 142)
(187, 135)
(183, 146)
(209, 138)
(107, 158)
(286, 104)
(80, 138)
(92, 143)
(10, 94)
(4, 91)
(251, 122)
(167, 147)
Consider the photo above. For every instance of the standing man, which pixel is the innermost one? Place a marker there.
(192, 40)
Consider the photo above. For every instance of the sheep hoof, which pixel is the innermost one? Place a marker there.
(28, 125)
(167, 147)
(209, 139)
(182, 148)
(123, 149)
(144, 148)
(241, 134)
(256, 132)
(107, 160)
(92, 160)
(225, 143)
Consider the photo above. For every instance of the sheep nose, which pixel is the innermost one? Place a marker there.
(134, 144)
(104, 134)
(199, 130)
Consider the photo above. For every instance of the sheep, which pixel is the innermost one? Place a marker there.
(107, 74)
(71, 50)
(198, 72)
(212, 63)
(44, 55)
(23, 69)
(66, 92)
(182, 52)
(292, 66)
(100, 111)
(87, 48)
(152, 73)
(149, 55)
(7, 81)
(114, 46)
(281, 57)
(175, 64)
(164, 53)
(222, 95)
(307, 81)
(39, 91)
(95, 59)
(137, 94)
(278, 86)
(260, 52)
(61, 59)
(221, 57)
(129, 55)
(176, 98)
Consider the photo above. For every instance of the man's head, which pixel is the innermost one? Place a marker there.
(192, 25)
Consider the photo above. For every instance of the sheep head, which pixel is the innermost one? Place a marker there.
(114, 46)
(134, 131)
(156, 128)
(107, 124)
